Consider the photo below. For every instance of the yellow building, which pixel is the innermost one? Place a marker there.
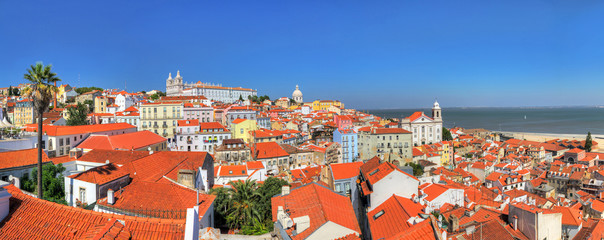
(447, 153)
(24, 112)
(242, 128)
(161, 118)
(325, 105)
(100, 104)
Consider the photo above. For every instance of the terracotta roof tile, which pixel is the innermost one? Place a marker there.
(345, 170)
(21, 158)
(391, 217)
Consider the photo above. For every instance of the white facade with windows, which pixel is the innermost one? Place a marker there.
(176, 87)
(200, 139)
(426, 130)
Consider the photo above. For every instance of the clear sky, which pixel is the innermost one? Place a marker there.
(368, 54)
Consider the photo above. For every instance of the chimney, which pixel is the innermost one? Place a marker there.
(284, 190)
(4, 200)
(110, 198)
(192, 224)
(515, 223)
(302, 223)
(454, 223)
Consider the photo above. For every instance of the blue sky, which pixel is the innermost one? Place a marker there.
(386, 54)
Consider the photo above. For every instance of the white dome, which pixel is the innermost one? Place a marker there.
(436, 105)
(297, 93)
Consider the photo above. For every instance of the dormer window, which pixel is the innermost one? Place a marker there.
(377, 215)
(230, 172)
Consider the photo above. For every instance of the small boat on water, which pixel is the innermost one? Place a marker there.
(524, 117)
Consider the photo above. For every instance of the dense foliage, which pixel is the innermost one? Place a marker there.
(157, 95)
(53, 184)
(588, 142)
(247, 205)
(447, 135)
(418, 170)
(90, 105)
(77, 115)
(82, 90)
(257, 99)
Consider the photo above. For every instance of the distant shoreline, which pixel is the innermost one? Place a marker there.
(542, 137)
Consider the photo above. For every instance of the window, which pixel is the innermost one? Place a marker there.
(82, 195)
(338, 187)
(377, 215)
(346, 187)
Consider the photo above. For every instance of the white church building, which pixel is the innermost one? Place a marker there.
(425, 129)
(176, 87)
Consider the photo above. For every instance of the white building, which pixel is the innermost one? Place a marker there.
(434, 196)
(176, 87)
(124, 101)
(426, 130)
(297, 95)
(130, 115)
(198, 111)
(380, 181)
(193, 136)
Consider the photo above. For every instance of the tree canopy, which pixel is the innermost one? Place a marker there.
(77, 115)
(53, 183)
(247, 205)
(588, 142)
(82, 90)
(447, 135)
(418, 170)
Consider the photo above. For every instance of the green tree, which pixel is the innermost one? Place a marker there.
(240, 98)
(292, 101)
(53, 183)
(447, 135)
(418, 170)
(41, 91)
(87, 89)
(155, 96)
(222, 205)
(270, 187)
(588, 142)
(77, 115)
(244, 204)
(16, 92)
(10, 90)
(90, 105)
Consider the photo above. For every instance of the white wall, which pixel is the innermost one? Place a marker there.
(72, 191)
(396, 183)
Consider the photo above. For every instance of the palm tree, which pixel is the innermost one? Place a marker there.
(41, 91)
(244, 198)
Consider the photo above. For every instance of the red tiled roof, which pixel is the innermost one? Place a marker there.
(345, 170)
(113, 156)
(417, 115)
(425, 230)
(434, 190)
(390, 131)
(102, 174)
(47, 220)
(188, 123)
(238, 120)
(212, 125)
(252, 165)
(127, 141)
(390, 217)
(21, 158)
(269, 150)
(165, 163)
(73, 130)
(162, 195)
(570, 216)
(320, 204)
(233, 170)
(382, 171)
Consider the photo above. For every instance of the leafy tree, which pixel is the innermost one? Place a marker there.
(90, 105)
(292, 101)
(447, 135)
(87, 89)
(588, 142)
(418, 170)
(16, 92)
(42, 92)
(77, 115)
(155, 96)
(244, 204)
(222, 204)
(270, 187)
(53, 182)
(10, 90)
(144, 92)
(240, 98)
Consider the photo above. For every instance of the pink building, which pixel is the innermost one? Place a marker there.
(342, 121)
